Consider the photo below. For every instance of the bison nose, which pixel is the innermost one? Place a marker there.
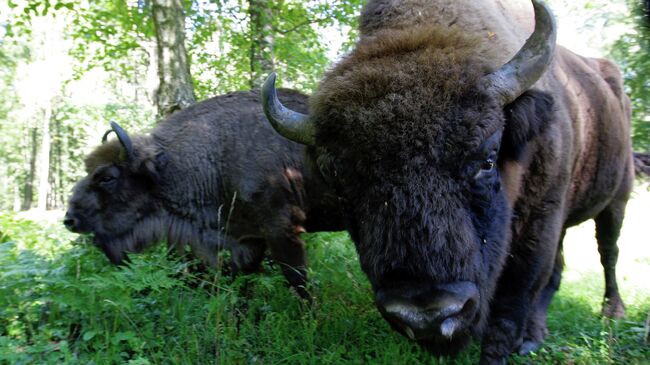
(70, 222)
(426, 312)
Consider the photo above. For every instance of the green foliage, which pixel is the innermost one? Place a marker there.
(62, 303)
(110, 50)
(219, 43)
(632, 53)
(113, 34)
(13, 132)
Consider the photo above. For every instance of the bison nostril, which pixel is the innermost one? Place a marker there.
(69, 222)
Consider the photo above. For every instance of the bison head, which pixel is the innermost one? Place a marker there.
(117, 195)
(422, 140)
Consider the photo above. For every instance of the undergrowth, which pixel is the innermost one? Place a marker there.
(62, 303)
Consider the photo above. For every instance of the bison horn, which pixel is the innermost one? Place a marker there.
(124, 138)
(105, 136)
(528, 65)
(292, 125)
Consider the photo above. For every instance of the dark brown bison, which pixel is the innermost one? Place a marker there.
(212, 176)
(461, 158)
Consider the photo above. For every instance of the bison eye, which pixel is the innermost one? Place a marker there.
(487, 165)
(485, 168)
(105, 180)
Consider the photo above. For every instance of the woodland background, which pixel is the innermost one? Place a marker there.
(68, 67)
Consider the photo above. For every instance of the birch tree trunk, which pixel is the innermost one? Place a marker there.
(175, 90)
(262, 40)
(28, 190)
(44, 160)
(59, 173)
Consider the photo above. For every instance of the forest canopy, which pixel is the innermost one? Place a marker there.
(68, 67)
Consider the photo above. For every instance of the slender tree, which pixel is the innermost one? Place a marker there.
(28, 189)
(44, 159)
(175, 90)
(262, 41)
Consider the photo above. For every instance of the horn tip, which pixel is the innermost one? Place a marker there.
(544, 13)
(270, 81)
(116, 127)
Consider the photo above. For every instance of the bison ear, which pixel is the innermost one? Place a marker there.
(154, 167)
(526, 118)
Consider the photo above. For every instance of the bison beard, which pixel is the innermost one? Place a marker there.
(459, 173)
(213, 176)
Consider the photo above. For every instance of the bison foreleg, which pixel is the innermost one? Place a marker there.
(288, 251)
(536, 329)
(247, 255)
(527, 272)
(608, 228)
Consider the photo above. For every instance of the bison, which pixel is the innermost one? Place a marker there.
(212, 176)
(461, 157)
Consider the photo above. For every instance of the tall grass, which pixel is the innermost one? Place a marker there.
(62, 303)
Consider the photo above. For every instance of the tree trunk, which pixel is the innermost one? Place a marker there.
(28, 192)
(17, 201)
(262, 40)
(59, 196)
(175, 90)
(44, 161)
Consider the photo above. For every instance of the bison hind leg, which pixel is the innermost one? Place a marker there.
(608, 227)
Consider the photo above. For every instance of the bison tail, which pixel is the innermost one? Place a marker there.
(642, 164)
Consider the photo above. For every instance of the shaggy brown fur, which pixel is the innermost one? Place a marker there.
(435, 68)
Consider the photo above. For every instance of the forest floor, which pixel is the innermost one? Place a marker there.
(61, 302)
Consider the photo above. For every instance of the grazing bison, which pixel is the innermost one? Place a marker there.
(460, 166)
(213, 176)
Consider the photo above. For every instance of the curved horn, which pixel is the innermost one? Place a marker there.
(124, 138)
(528, 65)
(292, 125)
(105, 136)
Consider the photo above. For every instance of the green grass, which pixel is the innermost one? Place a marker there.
(62, 303)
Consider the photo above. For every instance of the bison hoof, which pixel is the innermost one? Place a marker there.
(528, 347)
(613, 308)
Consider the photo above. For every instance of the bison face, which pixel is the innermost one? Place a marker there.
(430, 224)
(427, 205)
(421, 140)
(115, 196)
